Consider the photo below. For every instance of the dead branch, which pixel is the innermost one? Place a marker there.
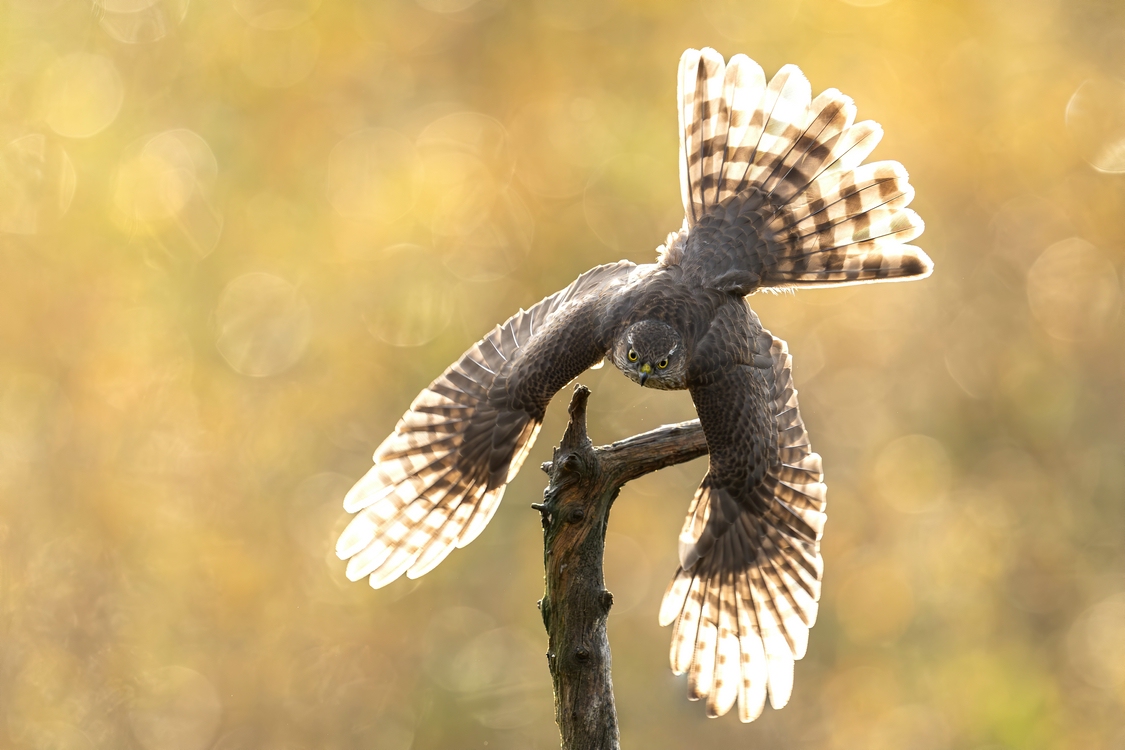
(584, 482)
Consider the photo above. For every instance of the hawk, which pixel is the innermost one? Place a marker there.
(776, 196)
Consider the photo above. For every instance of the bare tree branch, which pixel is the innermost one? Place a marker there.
(584, 482)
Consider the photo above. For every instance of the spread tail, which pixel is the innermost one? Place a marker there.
(778, 176)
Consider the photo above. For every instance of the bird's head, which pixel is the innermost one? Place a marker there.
(652, 353)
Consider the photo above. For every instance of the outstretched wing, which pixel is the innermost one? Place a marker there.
(773, 186)
(746, 592)
(439, 477)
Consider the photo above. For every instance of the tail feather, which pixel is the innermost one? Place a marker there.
(832, 116)
(793, 165)
(704, 122)
(854, 145)
(744, 87)
(785, 109)
(868, 229)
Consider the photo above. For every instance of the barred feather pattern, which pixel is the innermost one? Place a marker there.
(746, 593)
(439, 477)
(813, 215)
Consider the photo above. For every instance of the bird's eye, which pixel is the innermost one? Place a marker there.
(632, 356)
(662, 364)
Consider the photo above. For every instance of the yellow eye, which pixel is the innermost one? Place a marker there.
(662, 364)
(632, 356)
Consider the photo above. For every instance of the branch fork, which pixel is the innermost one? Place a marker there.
(584, 482)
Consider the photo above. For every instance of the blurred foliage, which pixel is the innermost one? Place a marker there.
(238, 236)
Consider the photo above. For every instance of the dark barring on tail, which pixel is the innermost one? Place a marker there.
(775, 195)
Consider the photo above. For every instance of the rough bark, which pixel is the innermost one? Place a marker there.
(584, 482)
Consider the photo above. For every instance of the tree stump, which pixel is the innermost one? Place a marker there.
(584, 482)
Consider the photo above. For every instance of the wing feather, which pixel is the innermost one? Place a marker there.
(438, 479)
(747, 589)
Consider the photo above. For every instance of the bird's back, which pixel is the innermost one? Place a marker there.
(666, 294)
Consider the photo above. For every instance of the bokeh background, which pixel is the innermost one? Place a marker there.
(238, 236)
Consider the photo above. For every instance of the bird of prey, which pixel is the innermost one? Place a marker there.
(776, 196)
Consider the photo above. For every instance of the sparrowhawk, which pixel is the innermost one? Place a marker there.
(775, 196)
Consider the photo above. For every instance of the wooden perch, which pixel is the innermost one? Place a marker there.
(584, 482)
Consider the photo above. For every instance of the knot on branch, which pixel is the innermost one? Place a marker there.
(571, 463)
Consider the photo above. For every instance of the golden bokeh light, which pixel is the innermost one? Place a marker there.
(280, 58)
(373, 174)
(275, 15)
(408, 302)
(875, 604)
(1073, 290)
(37, 184)
(161, 174)
(238, 237)
(913, 474)
(1095, 118)
(1097, 645)
(141, 21)
(82, 94)
(177, 708)
(263, 324)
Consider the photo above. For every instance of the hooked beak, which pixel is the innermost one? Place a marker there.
(646, 370)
